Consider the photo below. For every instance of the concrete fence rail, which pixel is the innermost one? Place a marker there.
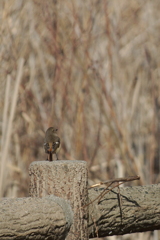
(35, 218)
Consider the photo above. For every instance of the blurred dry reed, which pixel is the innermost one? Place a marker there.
(90, 67)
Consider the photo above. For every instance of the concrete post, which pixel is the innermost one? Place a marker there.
(68, 180)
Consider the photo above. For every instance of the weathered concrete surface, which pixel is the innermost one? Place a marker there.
(35, 218)
(68, 180)
(140, 211)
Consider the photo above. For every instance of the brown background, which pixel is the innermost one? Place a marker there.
(91, 68)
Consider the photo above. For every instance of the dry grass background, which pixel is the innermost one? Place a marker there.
(92, 68)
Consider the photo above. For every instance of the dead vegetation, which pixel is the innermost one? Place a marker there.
(92, 69)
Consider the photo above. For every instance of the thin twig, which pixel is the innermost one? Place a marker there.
(120, 202)
(127, 179)
(105, 192)
(119, 181)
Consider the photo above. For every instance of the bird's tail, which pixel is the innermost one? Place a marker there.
(50, 156)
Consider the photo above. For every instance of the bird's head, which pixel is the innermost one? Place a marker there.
(52, 129)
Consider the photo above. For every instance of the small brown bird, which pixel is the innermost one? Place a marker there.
(51, 143)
